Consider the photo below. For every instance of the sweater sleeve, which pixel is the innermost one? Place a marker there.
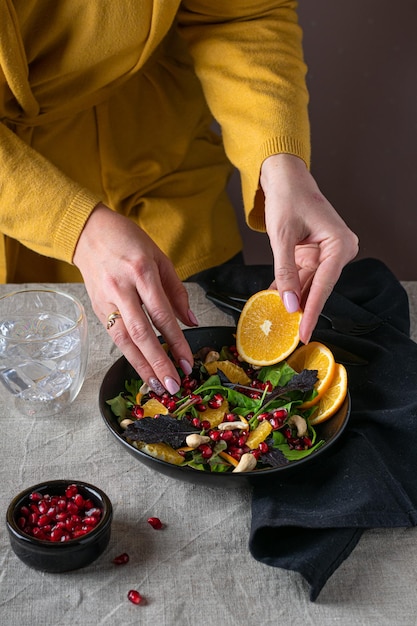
(40, 206)
(248, 56)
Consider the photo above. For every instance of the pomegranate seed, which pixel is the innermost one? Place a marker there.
(195, 398)
(37, 532)
(138, 412)
(79, 500)
(134, 596)
(196, 422)
(155, 522)
(93, 511)
(216, 401)
(71, 491)
(72, 507)
(58, 518)
(256, 454)
(263, 416)
(56, 534)
(226, 435)
(51, 512)
(43, 506)
(229, 417)
(33, 519)
(263, 447)
(205, 425)
(79, 532)
(62, 504)
(200, 407)
(43, 520)
(35, 496)
(275, 423)
(122, 559)
(235, 452)
(171, 405)
(206, 451)
(214, 435)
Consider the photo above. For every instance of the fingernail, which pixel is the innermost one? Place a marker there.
(185, 366)
(156, 386)
(192, 318)
(290, 301)
(171, 385)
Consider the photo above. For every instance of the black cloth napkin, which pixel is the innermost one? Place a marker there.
(311, 522)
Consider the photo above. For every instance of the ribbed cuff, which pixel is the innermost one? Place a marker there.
(72, 224)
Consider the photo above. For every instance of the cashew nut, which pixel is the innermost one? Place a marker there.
(233, 426)
(125, 423)
(195, 440)
(246, 464)
(300, 424)
(144, 389)
(211, 357)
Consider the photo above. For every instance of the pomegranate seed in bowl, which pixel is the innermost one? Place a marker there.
(60, 525)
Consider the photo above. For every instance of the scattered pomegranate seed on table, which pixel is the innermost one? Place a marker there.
(134, 596)
(122, 559)
(155, 522)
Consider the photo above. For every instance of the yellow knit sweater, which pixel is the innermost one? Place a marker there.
(112, 101)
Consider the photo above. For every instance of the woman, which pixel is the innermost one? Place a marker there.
(111, 172)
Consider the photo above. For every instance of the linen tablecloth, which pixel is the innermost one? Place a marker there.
(198, 568)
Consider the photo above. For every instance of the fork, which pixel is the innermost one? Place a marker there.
(343, 325)
(348, 326)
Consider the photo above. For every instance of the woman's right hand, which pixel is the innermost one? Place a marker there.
(125, 271)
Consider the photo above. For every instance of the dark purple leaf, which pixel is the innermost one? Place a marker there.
(161, 429)
(303, 382)
(274, 457)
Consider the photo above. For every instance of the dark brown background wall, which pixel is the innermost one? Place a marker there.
(362, 60)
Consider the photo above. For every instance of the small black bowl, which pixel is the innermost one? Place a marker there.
(51, 556)
(216, 336)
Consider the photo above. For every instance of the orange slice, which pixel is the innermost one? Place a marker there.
(266, 333)
(314, 356)
(161, 451)
(234, 373)
(153, 407)
(215, 416)
(333, 398)
(258, 435)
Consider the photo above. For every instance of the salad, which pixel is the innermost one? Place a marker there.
(228, 416)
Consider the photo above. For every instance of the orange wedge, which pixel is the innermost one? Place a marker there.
(161, 451)
(266, 333)
(261, 432)
(333, 398)
(215, 416)
(314, 356)
(153, 407)
(234, 373)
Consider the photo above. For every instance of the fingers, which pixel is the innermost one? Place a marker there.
(134, 335)
(318, 287)
(125, 272)
(287, 279)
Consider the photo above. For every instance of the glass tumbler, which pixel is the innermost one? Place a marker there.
(43, 349)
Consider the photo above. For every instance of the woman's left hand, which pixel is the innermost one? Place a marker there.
(310, 242)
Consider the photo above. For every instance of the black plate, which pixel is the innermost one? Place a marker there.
(216, 337)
